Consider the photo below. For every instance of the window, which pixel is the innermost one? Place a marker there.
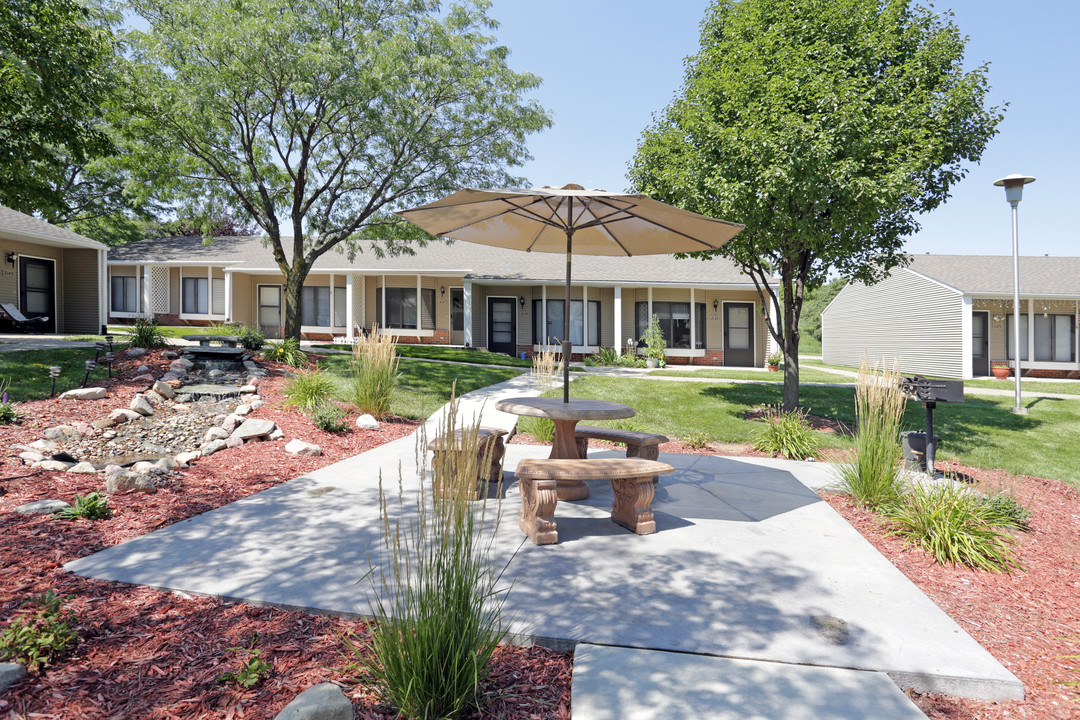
(339, 307)
(401, 307)
(195, 296)
(457, 309)
(1055, 338)
(554, 330)
(125, 294)
(674, 320)
(315, 306)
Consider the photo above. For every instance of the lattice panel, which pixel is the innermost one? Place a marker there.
(358, 295)
(159, 289)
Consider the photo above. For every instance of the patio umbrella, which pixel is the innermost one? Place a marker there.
(570, 219)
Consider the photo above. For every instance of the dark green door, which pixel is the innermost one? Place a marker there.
(37, 291)
(739, 334)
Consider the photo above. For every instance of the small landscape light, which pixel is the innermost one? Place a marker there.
(54, 372)
(90, 365)
(109, 358)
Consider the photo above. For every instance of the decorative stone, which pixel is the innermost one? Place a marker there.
(10, 673)
(212, 447)
(216, 433)
(142, 369)
(54, 465)
(242, 410)
(164, 389)
(253, 428)
(188, 364)
(181, 408)
(321, 702)
(143, 466)
(169, 354)
(126, 481)
(232, 442)
(177, 368)
(276, 435)
(253, 380)
(144, 378)
(31, 456)
(90, 393)
(185, 458)
(154, 397)
(123, 415)
(250, 365)
(215, 373)
(367, 422)
(231, 422)
(135, 352)
(170, 376)
(82, 467)
(109, 434)
(166, 463)
(45, 446)
(106, 422)
(248, 389)
(82, 426)
(63, 433)
(300, 447)
(42, 507)
(113, 469)
(141, 405)
(256, 403)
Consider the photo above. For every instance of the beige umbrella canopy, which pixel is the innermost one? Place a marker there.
(570, 219)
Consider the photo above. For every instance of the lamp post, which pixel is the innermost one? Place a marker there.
(1014, 190)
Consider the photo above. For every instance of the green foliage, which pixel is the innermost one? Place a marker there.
(439, 611)
(345, 109)
(9, 414)
(308, 389)
(631, 360)
(607, 357)
(374, 374)
(787, 434)
(814, 302)
(540, 428)
(654, 340)
(253, 670)
(774, 358)
(146, 333)
(1003, 510)
(329, 417)
(698, 440)
(252, 338)
(287, 351)
(955, 525)
(825, 127)
(93, 506)
(39, 639)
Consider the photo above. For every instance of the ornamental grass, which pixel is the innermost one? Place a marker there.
(374, 373)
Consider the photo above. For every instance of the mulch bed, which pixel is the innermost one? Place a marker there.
(156, 655)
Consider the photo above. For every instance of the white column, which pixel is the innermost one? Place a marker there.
(382, 320)
(542, 341)
(693, 326)
(1031, 332)
(103, 289)
(145, 291)
(649, 319)
(228, 295)
(584, 315)
(466, 299)
(618, 320)
(348, 308)
(331, 281)
(209, 290)
(419, 308)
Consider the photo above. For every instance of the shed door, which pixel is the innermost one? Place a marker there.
(980, 343)
(739, 334)
(37, 292)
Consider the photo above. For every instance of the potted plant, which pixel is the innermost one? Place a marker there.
(773, 361)
(1000, 369)
(654, 343)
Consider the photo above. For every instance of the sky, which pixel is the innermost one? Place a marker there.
(609, 65)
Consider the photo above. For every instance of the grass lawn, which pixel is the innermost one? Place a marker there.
(809, 345)
(179, 331)
(26, 372)
(805, 375)
(1034, 385)
(434, 352)
(423, 387)
(980, 432)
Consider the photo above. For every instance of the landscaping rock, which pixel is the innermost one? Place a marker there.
(54, 465)
(253, 428)
(82, 467)
(123, 415)
(166, 463)
(90, 393)
(242, 410)
(169, 354)
(256, 403)
(146, 378)
(142, 369)
(276, 435)
(177, 368)
(42, 507)
(188, 364)
(181, 408)
(154, 397)
(321, 702)
(250, 365)
(106, 422)
(231, 422)
(10, 673)
(113, 469)
(215, 373)
(367, 422)
(63, 433)
(212, 447)
(126, 481)
(31, 456)
(253, 380)
(144, 466)
(170, 376)
(248, 389)
(233, 442)
(82, 426)
(141, 405)
(300, 447)
(45, 446)
(216, 433)
(184, 458)
(164, 389)
(135, 352)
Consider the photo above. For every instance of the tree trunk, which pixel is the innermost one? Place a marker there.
(294, 282)
(792, 307)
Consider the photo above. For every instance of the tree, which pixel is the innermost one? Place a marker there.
(814, 301)
(825, 127)
(316, 118)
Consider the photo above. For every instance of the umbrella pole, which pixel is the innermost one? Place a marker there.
(566, 344)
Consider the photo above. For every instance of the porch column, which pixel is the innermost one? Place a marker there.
(693, 327)
(228, 295)
(145, 291)
(348, 308)
(649, 319)
(466, 300)
(542, 341)
(103, 290)
(584, 316)
(382, 320)
(1031, 332)
(618, 320)
(419, 309)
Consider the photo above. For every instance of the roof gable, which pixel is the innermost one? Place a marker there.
(993, 274)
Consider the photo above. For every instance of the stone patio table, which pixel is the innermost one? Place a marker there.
(566, 416)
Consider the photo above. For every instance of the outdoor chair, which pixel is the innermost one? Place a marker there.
(21, 322)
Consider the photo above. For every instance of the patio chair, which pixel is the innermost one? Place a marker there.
(21, 322)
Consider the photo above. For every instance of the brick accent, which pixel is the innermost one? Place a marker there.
(527, 349)
(1058, 374)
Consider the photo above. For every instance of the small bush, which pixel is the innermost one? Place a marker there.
(1003, 509)
(146, 333)
(374, 373)
(252, 339)
(329, 417)
(631, 360)
(655, 345)
(92, 506)
(787, 434)
(38, 640)
(287, 351)
(955, 525)
(540, 428)
(9, 414)
(607, 357)
(308, 389)
(698, 440)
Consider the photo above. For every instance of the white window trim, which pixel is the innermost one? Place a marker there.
(209, 298)
(406, 332)
(138, 296)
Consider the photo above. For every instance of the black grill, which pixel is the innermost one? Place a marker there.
(930, 392)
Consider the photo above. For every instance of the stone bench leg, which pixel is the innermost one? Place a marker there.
(582, 447)
(645, 452)
(633, 504)
(537, 519)
(494, 465)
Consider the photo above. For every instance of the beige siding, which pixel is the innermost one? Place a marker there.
(243, 307)
(9, 275)
(78, 294)
(905, 317)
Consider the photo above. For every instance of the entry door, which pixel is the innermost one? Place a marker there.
(37, 294)
(270, 310)
(457, 316)
(739, 334)
(502, 325)
(980, 343)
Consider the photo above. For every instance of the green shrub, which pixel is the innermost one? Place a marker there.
(955, 525)
(654, 340)
(698, 440)
(329, 417)
(38, 640)
(308, 389)
(631, 360)
(374, 374)
(1003, 509)
(540, 428)
(287, 351)
(9, 414)
(92, 506)
(251, 338)
(254, 669)
(607, 357)
(787, 434)
(874, 478)
(439, 615)
(146, 333)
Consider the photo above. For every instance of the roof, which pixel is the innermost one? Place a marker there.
(993, 274)
(26, 227)
(474, 262)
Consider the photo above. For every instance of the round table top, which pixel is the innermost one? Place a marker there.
(556, 409)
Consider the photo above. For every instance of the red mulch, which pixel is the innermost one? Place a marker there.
(156, 655)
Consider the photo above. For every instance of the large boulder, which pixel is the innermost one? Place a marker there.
(141, 405)
(321, 702)
(90, 393)
(126, 481)
(42, 507)
(300, 447)
(254, 428)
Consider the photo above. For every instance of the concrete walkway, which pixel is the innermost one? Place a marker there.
(750, 578)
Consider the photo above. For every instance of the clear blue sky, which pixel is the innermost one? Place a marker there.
(608, 65)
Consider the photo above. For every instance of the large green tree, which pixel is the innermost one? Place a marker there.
(316, 118)
(826, 126)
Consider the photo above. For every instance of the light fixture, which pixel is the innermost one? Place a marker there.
(1014, 190)
(90, 365)
(12, 257)
(442, 289)
(1045, 309)
(54, 372)
(715, 304)
(521, 300)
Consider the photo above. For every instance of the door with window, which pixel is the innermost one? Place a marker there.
(37, 291)
(739, 334)
(269, 299)
(502, 325)
(457, 316)
(980, 343)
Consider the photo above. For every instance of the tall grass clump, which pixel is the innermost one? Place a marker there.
(436, 598)
(874, 478)
(287, 351)
(146, 333)
(308, 389)
(374, 373)
(545, 368)
(788, 434)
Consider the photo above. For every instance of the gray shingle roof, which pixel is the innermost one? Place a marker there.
(23, 224)
(993, 274)
(476, 262)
